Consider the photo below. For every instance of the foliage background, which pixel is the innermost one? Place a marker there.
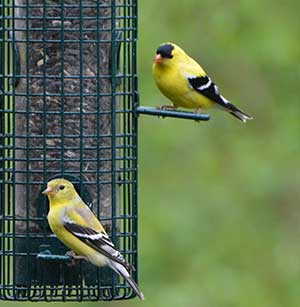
(219, 201)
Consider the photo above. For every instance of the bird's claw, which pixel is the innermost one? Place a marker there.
(166, 107)
(75, 258)
(197, 111)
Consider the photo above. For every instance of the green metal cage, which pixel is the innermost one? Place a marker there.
(67, 109)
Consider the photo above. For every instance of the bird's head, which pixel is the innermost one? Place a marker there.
(166, 53)
(60, 190)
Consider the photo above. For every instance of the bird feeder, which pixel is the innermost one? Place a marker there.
(67, 110)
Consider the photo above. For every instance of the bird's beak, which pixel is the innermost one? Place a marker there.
(48, 191)
(158, 59)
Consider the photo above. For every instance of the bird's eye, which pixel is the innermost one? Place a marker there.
(61, 187)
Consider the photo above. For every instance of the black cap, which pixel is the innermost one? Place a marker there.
(165, 51)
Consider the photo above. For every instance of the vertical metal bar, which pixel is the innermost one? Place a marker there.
(81, 72)
(62, 43)
(7, 139)
(44, 109)
(98, 132)
(2, 131)
(135, 139)
(44, 87)
(81, 88)
(12, 174)
(128, 130)
(27, 150)
(125, 75)
(113, 127)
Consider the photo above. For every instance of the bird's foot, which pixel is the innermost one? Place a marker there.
(197, 111)
(75, 257)
(166, 107)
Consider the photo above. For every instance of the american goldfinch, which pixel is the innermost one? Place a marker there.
(186, 84)
(78, 228)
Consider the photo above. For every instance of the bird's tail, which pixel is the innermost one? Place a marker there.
(233, 110)
(121, 270)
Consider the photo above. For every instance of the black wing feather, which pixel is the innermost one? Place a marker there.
(205, 86)
(98, 241)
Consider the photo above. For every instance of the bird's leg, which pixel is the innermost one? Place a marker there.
(197, 111)
(75, 257)
(166, 107)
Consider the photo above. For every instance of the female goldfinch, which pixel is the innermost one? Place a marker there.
(186, 84)
(78, 228)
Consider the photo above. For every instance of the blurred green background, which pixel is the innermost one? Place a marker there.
(219, 216)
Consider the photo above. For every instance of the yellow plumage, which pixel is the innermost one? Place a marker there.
(79, 229)
(70, 210)
(186, 84)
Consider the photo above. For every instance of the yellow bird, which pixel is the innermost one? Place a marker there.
(186, 84)
(78, 228)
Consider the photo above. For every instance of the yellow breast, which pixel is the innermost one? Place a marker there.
(176, 87)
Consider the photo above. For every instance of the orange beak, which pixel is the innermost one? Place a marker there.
(48, 191)
(158, 59)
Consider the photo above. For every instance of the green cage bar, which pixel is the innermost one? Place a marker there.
(68, 93)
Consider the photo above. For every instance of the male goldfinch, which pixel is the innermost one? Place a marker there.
(78, 228)
(186, 84)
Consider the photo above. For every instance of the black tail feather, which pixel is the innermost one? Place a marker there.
(120, 269)
(242, 116)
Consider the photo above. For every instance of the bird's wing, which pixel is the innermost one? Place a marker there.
(205, 86)
(74, 222)
(82, 214)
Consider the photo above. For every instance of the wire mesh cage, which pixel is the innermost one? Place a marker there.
(68, 93)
